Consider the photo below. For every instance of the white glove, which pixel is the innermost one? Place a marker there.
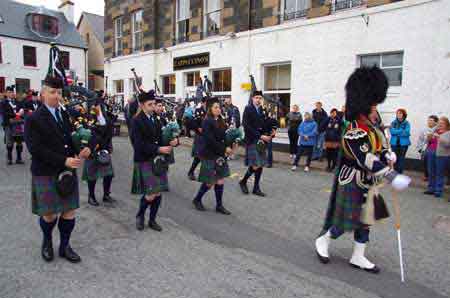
(391, 157)
(401, 182)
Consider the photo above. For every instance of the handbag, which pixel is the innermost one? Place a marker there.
(103, 157)
(160, 165)
(66, 183)
(261, 146)
(381, 210)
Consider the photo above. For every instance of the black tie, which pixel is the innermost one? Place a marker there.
(58, 118)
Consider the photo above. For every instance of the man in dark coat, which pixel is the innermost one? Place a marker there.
(321, 117)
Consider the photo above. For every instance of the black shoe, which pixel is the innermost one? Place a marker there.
(19, 162)
(243, 187)
(268, 166)
(154, 226)
(374, 270)
(9, 162)
(108, 199)
(198, 205)
(259, 193)
(140, 222)
(222, 210)
(47, 251)
(69, 255)
(192, 176)
(93, 201)
(323, 260)
(429, 192)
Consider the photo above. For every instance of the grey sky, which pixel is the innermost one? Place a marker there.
(92, 6)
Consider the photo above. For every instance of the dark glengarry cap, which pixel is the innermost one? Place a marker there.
(212, 100)
(53, 82)
(10, 88)
(257, 93)
(146, 96)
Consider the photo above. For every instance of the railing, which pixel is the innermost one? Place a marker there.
(295, 14)
(338, 5)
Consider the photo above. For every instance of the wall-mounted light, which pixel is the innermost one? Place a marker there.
(165, 50)
(231, 35)
(366, 19)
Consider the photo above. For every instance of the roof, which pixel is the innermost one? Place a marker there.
(14, 15)
(97, 24)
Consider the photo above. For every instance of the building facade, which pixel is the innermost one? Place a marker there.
(90, 27)
(299, 51)
(25, 36)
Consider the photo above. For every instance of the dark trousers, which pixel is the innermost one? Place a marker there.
(269, 153)
(293, 139)
(304, 150)
(425, 165)
(400, 151)
(332, 154)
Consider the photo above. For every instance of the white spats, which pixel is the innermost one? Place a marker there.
(358, 259)
(322, 244)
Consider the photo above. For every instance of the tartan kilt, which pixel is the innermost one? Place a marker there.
(92, 170)
(196, 146)
(208, 172)
(45, 200)
(253, 157)
(145, 182)
(348, 207)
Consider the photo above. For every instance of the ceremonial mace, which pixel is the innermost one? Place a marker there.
(396, 204)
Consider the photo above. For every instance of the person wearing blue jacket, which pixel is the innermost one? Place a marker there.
(400, 138)
(307, 135)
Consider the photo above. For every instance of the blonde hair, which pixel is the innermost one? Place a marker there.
(447, 122)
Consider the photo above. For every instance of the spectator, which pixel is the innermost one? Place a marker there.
(320, 116)
(294, 118)
(307, 135)
(422, 143)
(188, 117)
(233, 114)
(400, 138)
(333, 138)
(341, 113)
(439, 155)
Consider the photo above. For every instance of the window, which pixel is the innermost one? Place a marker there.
(29, 56)
(169, 83)
(212, 17)
(137, 22)
(337, 5)
(1, 57)
(277, 77)
(183, 15)
(118, 46)
(2, 84)
(118, 86)
(221, 80)
(22, 85)
(65, 60)
(390, 63)
(192, 78)
(294, 9)
(46, 25)
(88, 39)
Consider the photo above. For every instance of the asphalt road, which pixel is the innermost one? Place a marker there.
(264, 249)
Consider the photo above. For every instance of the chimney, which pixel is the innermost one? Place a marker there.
(66, 7)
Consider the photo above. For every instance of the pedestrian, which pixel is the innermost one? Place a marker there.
(400, 138)
(188, 116)
(271, 125)
(438, 157)
(294, 118)
(320, 116)
(333, 139)
(256, 139)
(213, 151)
(422, 142)
(232, 112)
(54, 183)
(196, 125)
(307, 138)
(99, 164)
(361, 169)
(148, 162)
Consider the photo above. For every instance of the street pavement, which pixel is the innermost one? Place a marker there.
(264, 249)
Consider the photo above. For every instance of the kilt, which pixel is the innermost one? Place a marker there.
(45, 200)
(348, 207)
(92, 170)
(196, 146)
(253, 157)
(145, 182)
(208, 173)
(331, 145)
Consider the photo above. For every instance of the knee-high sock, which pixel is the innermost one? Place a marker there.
(47, 228)
(201, 192)
(154, 207)
(248, 174)
(107, 185)
(65, 227)
(194, 165)
(10, 150)
(143, 204)
(91, 187)
(258, 174)
(19, 149)
(218, 189)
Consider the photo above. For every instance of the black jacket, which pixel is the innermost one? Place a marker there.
(321, 119)
(146, 137)
(233, 114)
(333, 130)
(253, 123)
(31, 106)
(48, 143)
(8, 111)
(103, 134)
(213, 139)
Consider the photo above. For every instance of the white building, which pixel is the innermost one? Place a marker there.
(306, 60)
(25, 36)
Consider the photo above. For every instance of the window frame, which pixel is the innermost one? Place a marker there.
(264, 66)
(222, 92)
(209, 12)
(28, 84)
(135, 32)
(115, 87)
(118, 37)
(382, 67)
(66, 66)
(295, 14)
(174, 84)
(179, 20)
(38, 24)
(195, 78)
(34, 58)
